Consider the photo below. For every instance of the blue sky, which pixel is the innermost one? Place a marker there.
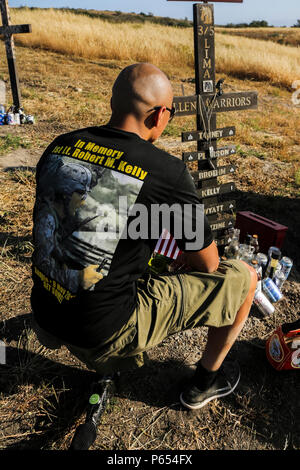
(276, 12)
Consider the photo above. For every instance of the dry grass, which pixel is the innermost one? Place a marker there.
(287, 36)
(92, 38)
(42, 392)
(16, 202)
(265, 61)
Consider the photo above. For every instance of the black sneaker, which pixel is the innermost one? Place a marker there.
(224, 384)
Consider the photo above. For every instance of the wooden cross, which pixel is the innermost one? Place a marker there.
(206, 103)
(7, 30)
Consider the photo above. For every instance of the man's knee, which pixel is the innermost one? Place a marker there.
(45, 338)
(253, 277)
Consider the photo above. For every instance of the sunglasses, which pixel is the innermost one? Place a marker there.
(171, 111)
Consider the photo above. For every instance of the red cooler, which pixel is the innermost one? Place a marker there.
(269, 233)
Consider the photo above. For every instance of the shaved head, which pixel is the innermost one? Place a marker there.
(138, 88)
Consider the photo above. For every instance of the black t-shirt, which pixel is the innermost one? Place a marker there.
(103, 196)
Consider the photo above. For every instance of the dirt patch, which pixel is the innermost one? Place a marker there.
(44, 393)
(22, 158)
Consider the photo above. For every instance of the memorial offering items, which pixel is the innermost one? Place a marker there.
(273, 255)
(283, 347)
(272, 269)
(14, 116)
(232, 249)
(159, 264)
(268, 290)
(254, 242)
(263, 304)
(165, 252)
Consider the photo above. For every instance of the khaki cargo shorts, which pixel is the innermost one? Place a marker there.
(167, 304)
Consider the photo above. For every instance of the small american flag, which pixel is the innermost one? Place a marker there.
(167, 246)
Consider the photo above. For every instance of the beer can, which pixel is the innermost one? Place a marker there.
(2, 119)
(29, 119)
(22, 118)
(258, 286)
(286, 266)
(262, 259)
(271, 290)
(274, 249)
(263, 304)
(10, 119)
(279, 279)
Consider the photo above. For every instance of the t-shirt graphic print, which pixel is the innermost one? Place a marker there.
(79, 219)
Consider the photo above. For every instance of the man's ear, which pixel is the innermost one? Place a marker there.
(158, 115)
(153, 120)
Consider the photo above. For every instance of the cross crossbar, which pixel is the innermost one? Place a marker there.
(189, 105)
(15, 29)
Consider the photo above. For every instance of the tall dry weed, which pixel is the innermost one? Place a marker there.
(93, 38)
(287, 36)
(266, 61)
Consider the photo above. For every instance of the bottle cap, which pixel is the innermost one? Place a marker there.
(254, 261)
(255, 236)
(94, 399)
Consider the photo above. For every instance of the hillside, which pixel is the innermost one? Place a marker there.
(121, 17)
(89, 37)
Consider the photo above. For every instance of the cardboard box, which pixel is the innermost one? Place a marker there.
(269, 233)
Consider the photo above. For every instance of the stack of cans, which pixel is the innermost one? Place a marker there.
(286, 266)
(14, 116)
(272, 287)
(272, 271)
(263, 303)
(272, 291)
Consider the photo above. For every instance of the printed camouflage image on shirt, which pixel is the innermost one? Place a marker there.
(78, 220)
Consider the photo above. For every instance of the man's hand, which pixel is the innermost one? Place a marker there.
(89, 276)
(206, 260)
